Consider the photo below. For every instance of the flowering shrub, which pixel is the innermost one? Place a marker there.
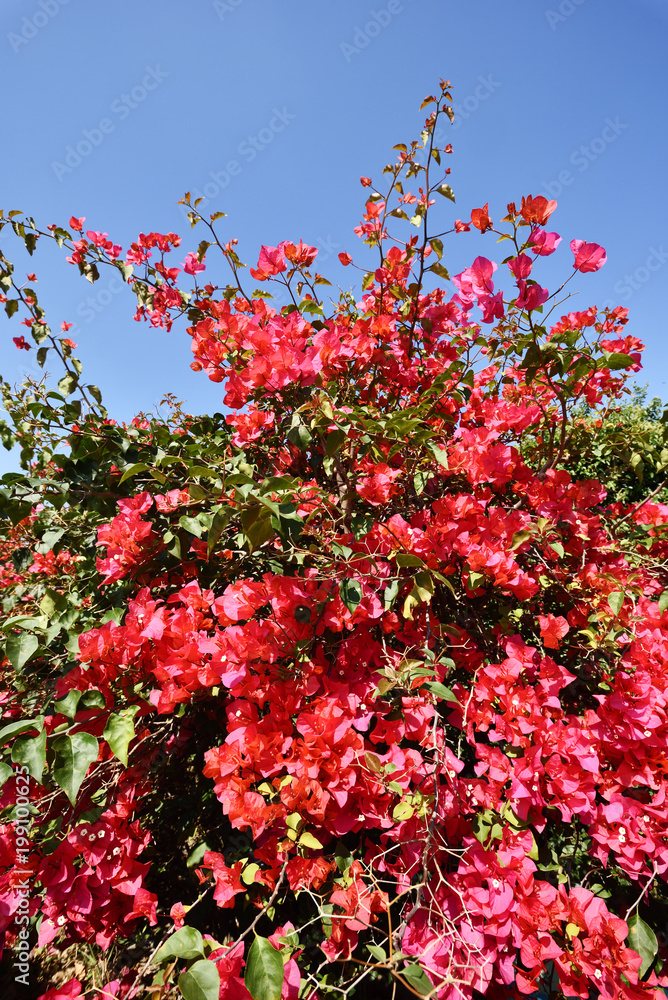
(357, 687)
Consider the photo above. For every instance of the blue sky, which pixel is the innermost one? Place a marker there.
(272, 109)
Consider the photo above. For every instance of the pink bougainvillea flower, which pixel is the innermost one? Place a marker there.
(588, 256)
(542, 243)
(271, 261)
(192, 265)
(531, 296)
(22, 343)
(521, 266)
(77, 224)
(552, 629)
(462, 227)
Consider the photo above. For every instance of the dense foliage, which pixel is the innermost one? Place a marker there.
(359, 689)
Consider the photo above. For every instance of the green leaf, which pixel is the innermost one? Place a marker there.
(20, 648)
(441, 271)
(68, 704)
(119, 731)
(15, 728)
(408, 559)
(264, 971)
(418, 979)
(439, 454)
(74, 755)
(643, 940)
(616, 600)
(442, 692)
(663, 601)
(377, 952)
(192, 525)
(5, 773)
(617, 361)
(334, 440)
(201, 981)
(67, 384)
(133, 470)
(30, 751)
(351, 593)
(446, 191)
(218, 525)
(187, 942)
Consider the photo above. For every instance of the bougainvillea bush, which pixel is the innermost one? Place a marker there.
(353, 690)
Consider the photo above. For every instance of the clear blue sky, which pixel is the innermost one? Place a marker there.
(562, 97)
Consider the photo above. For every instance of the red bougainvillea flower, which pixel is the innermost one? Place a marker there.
(249, 426)
(192, 265)
(77, 224)
(537, 210)
(552, 629)
(379, 487)
(588, 256)
(300, 254)
(365, 182)
(480, 218)
(68, 991)
(462, 227)
(345, 259)
(22, 343)
(542, 243)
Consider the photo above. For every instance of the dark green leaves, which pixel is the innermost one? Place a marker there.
(20, 648)
(643, 940)
(351, 593)
(119, 731)
(186, 942)
(418, 979)
(264, 971)
(30, 751)
(201, 981)
(74, 755)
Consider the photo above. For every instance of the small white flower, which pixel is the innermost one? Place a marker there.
(648, 732)
(598, 974)
(60, 921)
(622, 830)
(83, 831)
(92, 837)
(495, 883)
(116, 851)
(645, 819)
